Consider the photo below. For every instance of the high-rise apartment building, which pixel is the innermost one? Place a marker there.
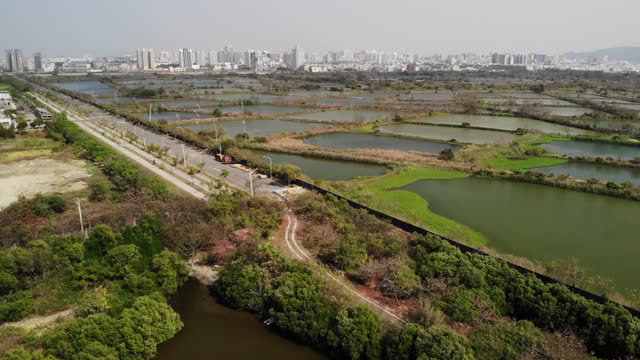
(229, 55)
(37, 63)
(186, 58)
(146, 60)
(15, 61)
(199, 58)
(212, 58)
(297, 57)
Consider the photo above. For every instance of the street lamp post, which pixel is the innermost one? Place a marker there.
(80, 215)
(184, 157)
(251, 181)
(270, 166)
(219, 143)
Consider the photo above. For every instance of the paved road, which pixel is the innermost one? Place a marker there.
(172, 175)
(238, 178)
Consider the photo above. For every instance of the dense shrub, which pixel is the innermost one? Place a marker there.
(505, 340)
(413, 342)
(607, 329)
(464, 305)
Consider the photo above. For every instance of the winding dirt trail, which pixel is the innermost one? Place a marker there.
(299, 252)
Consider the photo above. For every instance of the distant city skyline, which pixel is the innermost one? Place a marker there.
(75, 27)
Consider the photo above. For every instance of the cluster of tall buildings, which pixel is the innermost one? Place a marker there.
(521, 59)
(294, 59)
(230, 59)
(145, 58)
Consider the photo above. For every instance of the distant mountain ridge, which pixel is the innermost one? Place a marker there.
(628, 53)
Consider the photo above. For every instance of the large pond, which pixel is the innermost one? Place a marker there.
(585, 171)
(593, 149)
(633, 107)
(443, 96)
(326, 169)
(262, 109)
(173, 115)
(618, 125)
(543, 222)
(255, 127)
(445, 133)
(346, 116)
(344, 102)
(502, 123)
(112, 100)
(529, 101)
(212, 329)
(186, 103)
(344, 140)
(87, 87)
(565, 111)
(254, 97)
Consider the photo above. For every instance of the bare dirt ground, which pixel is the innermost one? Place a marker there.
(40, 323)
(42, 175)
(206, 274)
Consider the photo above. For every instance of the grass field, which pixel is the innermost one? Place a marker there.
(367, 128)
(521, 163)
(4, 86)
(24, 147)
(379, 193)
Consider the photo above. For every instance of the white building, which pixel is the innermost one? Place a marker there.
(146, 60)
(186, 58)
(297, 57)
(6, 102)
(5, 122)
(199, 58)
(76, 67)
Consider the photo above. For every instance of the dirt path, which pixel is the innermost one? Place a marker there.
(41, 322)
(300, 253)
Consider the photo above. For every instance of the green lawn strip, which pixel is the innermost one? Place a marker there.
(378, 193)
(504, 163)
(367, 128)
(5, 86)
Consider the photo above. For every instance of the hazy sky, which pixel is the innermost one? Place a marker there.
(415, 26)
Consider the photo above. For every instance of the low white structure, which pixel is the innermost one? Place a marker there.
(43, 114)
(5, 122)
(6, 102)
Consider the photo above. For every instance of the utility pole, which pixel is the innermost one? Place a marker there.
(80, 215)
(198, 119)
(270, 166)
(184, 157)
(251, 181)
(115, 95)
(244, 129)
(219, 143)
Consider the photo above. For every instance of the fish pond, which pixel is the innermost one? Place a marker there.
(544, 223)
(345, 140)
